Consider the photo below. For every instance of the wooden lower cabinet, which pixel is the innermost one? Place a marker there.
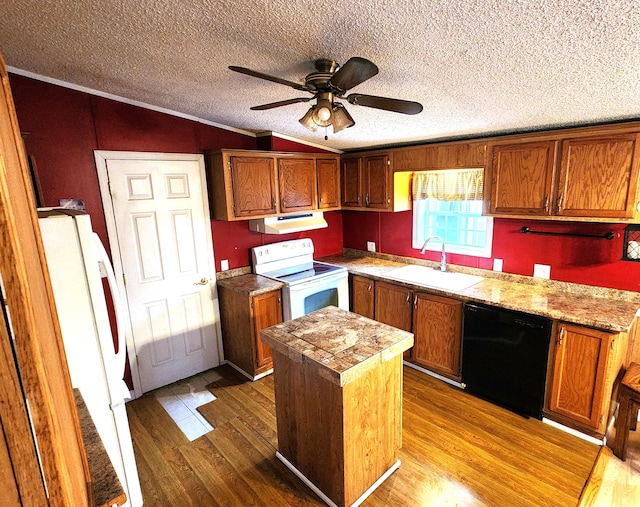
(437, 330)
(362, 296)
(586, 363)
(394, 306)
(243, 316)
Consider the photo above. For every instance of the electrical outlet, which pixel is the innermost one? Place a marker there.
(371, 246)
(497, 264)
(541, 271)
(224, 264)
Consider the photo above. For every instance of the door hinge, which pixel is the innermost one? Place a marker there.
(601, 418)
(124, 279)
(613, 344)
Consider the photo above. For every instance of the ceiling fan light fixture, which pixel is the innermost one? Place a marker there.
(341, 118)
(323, 113)
(307, 119)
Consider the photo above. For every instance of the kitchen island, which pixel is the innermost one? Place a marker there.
(338, 392)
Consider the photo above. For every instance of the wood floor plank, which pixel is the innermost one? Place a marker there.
(457, 450)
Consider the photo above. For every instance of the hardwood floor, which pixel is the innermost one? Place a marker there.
(457, 450)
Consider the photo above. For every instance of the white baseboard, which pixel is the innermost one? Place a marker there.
(433, 374)
(250, 377)
(324, 497)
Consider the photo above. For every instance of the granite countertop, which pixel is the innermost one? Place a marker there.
(105, 485)
(250, 284)
(338, 345)
(607, 309)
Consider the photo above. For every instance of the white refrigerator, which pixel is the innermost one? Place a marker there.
(77, 262)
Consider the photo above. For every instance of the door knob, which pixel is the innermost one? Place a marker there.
(203, 281)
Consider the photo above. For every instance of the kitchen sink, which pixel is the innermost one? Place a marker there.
(429, 277)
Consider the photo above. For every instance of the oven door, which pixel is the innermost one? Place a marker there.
(303, 298)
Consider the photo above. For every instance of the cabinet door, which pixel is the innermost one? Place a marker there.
(267, 312)
(377, 183)
(328, 183)
(297, 177)
(522, 178)
(579, 374)
(394, 306)
(598, 177)
(362, 296)
(254, 186)
(351, 182)
(437, 328)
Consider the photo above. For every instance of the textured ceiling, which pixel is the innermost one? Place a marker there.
(477, 66)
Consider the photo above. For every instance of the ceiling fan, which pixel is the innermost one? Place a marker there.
(329, 82)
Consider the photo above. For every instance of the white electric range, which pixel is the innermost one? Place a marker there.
(309, 285)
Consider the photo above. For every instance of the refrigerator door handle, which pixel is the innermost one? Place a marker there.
(119, 357)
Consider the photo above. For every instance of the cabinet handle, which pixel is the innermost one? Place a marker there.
(415, 302)
(359, 198)
(284, 202)
(559, 206)
(408, 297)
(546, 202)
(279, 300)
(561, 336)
(369, 288)
(273, 203)
(366, 200)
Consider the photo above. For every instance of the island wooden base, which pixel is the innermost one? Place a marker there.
(342, 439)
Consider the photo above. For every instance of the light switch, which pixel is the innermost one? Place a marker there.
(224, 264)
(497, 264)
(371, 246)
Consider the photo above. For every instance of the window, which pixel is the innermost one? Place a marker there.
(449, 204)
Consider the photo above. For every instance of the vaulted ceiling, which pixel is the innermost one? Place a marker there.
(477, 66)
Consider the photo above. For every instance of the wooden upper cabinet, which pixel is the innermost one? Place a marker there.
(328, 174)
(368, 183)
(376, 179)
(410, 159)
(598, 177)
(245, 184)
(351, 182)
(362, 296)
(437, 329)
(522, 178)
(454, 155)
(297, 179)
(254, 186)
(580, 374)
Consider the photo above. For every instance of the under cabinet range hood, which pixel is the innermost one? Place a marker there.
(288, 224)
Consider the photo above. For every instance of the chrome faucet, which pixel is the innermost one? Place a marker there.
(443, 259)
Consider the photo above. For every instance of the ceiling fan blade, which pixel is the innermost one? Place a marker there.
(355, 71)
(280, 103)
(249, 72)
(395, 105)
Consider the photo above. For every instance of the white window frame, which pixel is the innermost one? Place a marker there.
(421, 232)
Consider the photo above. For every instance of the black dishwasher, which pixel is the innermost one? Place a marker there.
(504, 357)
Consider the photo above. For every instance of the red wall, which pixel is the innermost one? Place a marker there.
(572, 259)
(65, 126)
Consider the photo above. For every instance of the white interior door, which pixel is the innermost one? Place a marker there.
(164, 253)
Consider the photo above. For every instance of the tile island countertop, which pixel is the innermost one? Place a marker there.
(607, 309)
(337, 345)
